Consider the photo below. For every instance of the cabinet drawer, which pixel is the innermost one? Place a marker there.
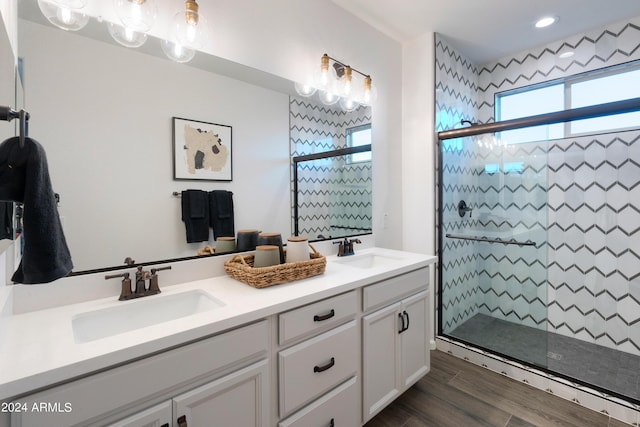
(104, 394)
(315, 366)
(317, 316)
(338, 407)
(394, 289)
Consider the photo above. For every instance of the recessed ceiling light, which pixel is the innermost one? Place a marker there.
(546, 21)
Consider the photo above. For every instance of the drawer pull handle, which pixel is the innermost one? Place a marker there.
(407, 315)
(323, 317)
(401, 323)
(332, 423)
(325, 367)
(182, 421)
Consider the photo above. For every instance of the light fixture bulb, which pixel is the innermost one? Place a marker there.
(189, 26)
(64, 17)
(126, 36)
(328, 97)
(305, 89)
(346, 82)
(138, 15)
(369, 93)
(323, 77)
(348, 104)
(176, 52)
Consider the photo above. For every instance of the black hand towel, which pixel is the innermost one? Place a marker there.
(195, 214)
(24, 177)
(221, 213)
(6, 220)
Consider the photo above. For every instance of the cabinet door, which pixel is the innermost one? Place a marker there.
(414, 339)
(156, 416)
(381, 357)
(238, 399)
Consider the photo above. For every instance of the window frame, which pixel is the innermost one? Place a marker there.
(348, 134)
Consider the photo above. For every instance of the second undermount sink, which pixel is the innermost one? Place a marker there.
(366, 260)
(140, 313)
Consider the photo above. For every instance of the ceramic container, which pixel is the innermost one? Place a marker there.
(247, 240)
(272, 239)
(266, 256)
(225, 244)
(297, 249)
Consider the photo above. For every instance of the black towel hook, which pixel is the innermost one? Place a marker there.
(7, 114)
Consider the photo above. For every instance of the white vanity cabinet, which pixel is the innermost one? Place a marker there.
(226, 375)
(317, 377)
(394, 338)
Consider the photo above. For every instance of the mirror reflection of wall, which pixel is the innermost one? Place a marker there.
(104, 115)
(333, 193)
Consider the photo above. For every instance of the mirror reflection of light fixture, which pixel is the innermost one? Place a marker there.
(335, 81)
(176, 52)
(136, 15)
(189, 26)
(126, 36)
(70, 4)
(62, 15)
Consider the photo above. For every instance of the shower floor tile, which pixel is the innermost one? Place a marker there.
(600, 366)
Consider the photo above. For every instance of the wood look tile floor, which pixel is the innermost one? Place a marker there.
(457, 393)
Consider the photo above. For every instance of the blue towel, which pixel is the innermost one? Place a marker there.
(24, 177)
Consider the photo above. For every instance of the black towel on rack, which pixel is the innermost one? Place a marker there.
(195, 215)
(6, 220)
(24, 177)
(221, 213)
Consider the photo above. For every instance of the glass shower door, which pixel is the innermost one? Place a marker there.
(493, 215)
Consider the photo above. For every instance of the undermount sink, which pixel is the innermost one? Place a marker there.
(366, 260)
(140, 313)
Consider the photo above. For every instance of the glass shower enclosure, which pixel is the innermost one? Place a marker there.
(538, 248)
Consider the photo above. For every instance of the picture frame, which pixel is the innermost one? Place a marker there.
(202, 151)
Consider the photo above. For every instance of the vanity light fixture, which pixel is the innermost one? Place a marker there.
(67, 15)
(176, 52)
(136, 15)
(334, 83)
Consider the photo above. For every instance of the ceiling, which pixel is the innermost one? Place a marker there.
(486, 30)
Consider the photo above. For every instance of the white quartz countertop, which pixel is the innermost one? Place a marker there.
(37, 349)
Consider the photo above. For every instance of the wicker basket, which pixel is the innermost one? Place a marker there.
(240, 267)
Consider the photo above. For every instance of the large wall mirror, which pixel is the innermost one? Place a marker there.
(104, 115)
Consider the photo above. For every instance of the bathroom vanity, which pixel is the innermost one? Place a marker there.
(334, 349)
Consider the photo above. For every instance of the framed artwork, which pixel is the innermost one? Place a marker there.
(201, 150)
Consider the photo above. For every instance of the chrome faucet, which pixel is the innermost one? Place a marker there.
(345, 247)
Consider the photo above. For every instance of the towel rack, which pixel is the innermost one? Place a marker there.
(7, 114)
(176, 194)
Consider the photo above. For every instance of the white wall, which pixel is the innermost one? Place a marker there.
(109, 145)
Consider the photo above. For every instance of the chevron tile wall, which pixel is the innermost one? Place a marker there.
(331, 192)
(576, 198)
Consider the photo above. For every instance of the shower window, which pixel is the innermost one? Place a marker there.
(614, 84)
(357, 137)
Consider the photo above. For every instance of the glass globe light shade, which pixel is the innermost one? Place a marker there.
(176, 52)
(70, 4)
(305, 89)
(345, 83)
(126, 36)
(328, 97)
(137, 15)
(63, 17)
(189, 28)
(348, 104)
